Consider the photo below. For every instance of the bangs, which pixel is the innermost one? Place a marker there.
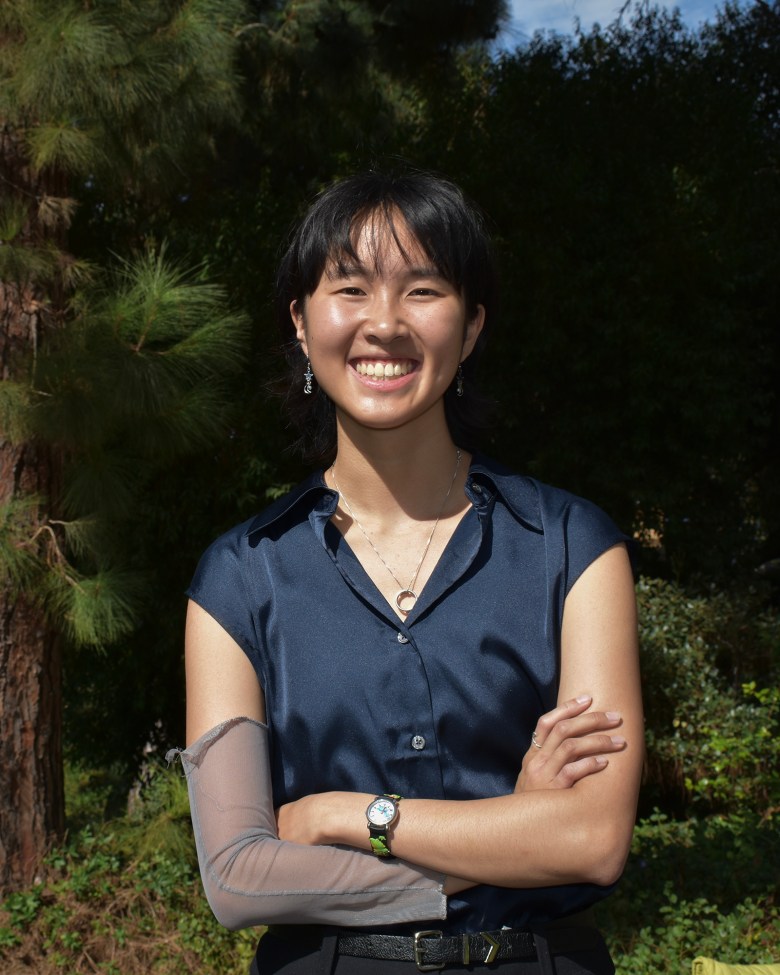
(448, 230)
(378, 230)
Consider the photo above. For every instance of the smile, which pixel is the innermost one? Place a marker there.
(382, 369)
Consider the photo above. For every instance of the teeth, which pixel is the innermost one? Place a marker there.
(383, 370)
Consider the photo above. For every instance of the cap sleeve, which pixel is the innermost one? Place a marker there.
(588, 533)
(219, 586)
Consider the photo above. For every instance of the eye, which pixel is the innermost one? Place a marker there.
(423, 292)
(351, 291)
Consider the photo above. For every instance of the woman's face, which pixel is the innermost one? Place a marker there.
(385, 336)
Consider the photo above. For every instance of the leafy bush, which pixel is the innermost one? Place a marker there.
(700, 887)
(122, 897)
(712, 703)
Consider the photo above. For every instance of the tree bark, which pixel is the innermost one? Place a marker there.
(31, 782)
(31, 777)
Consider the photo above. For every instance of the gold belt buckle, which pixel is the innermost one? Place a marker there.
(419, 950)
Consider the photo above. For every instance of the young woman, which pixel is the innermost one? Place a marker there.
(413, 699)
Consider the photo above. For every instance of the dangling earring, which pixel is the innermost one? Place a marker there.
(459, 381)
(307, 376)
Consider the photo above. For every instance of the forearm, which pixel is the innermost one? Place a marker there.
(568, 820)
(531, 840)
(251, 877)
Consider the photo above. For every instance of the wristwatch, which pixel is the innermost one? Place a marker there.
(381, 815)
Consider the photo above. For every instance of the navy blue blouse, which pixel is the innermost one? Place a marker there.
(440, 706)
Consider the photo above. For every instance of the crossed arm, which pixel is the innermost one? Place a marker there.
(570, 816)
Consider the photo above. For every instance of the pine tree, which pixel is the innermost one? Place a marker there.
(102, 376)
(108, 109)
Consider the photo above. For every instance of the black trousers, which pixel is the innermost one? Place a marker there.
(288, 956)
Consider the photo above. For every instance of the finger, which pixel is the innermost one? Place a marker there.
(581, 725)
(575, 771)
(550, 765)
(568, 709)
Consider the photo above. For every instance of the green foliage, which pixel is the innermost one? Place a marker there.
(711, 701)
(18, 557)
(94, 610)
(700, 887)
(21, 909)
(13, 217)
(748, 934)
(133, 380)
(94, 796)
(139, 369)
(125, 379)
(23, 264)
(122, 897)
(118, 90)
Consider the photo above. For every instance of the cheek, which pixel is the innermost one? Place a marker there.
(445, 335)
(327, 327)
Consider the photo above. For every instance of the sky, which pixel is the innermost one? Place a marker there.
(559, 15)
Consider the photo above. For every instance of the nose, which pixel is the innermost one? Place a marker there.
(385, 320)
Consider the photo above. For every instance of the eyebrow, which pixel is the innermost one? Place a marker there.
(425, 271)
(343, 270)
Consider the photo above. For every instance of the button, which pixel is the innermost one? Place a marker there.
(418, 743)
(402, 639)
(477, 489)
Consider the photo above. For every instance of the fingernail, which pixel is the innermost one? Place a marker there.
(612, 715)
(601, 761)
(617, 740)
(583, 699)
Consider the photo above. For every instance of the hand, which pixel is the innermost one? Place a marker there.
(296, 821)
(571, 743)
(325, 818)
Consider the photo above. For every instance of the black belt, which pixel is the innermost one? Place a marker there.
(431, 950)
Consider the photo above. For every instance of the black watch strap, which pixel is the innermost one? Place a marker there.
(377, 835)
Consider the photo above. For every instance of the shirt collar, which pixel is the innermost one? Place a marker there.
(309, 494)
(519, 493)
(486, 480)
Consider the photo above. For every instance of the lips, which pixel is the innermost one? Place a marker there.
(383, 368)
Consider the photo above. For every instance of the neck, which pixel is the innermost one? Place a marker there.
(385, 472)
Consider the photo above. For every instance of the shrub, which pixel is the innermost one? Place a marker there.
(122, 898)
(709, 667)
(700, 887)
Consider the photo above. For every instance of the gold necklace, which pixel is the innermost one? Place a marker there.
(406, 597)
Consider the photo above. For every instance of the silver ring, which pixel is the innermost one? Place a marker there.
(534, 741)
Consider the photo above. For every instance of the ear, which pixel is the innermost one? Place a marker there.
(296, 313)
(473, 329)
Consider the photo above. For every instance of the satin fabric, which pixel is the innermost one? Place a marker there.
(441, 705)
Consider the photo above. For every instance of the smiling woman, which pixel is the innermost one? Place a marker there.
(379, 215)
(385, 334)
(416, 654)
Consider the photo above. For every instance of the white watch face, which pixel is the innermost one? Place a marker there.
(381, 812)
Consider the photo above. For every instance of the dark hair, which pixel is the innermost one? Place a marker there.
(451, 232)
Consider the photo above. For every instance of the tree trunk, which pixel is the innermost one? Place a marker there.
(31, 787)
(31, 779)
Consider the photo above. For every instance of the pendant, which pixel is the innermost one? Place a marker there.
(405, 600)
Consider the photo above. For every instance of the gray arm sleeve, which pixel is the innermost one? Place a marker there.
(252, 877)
